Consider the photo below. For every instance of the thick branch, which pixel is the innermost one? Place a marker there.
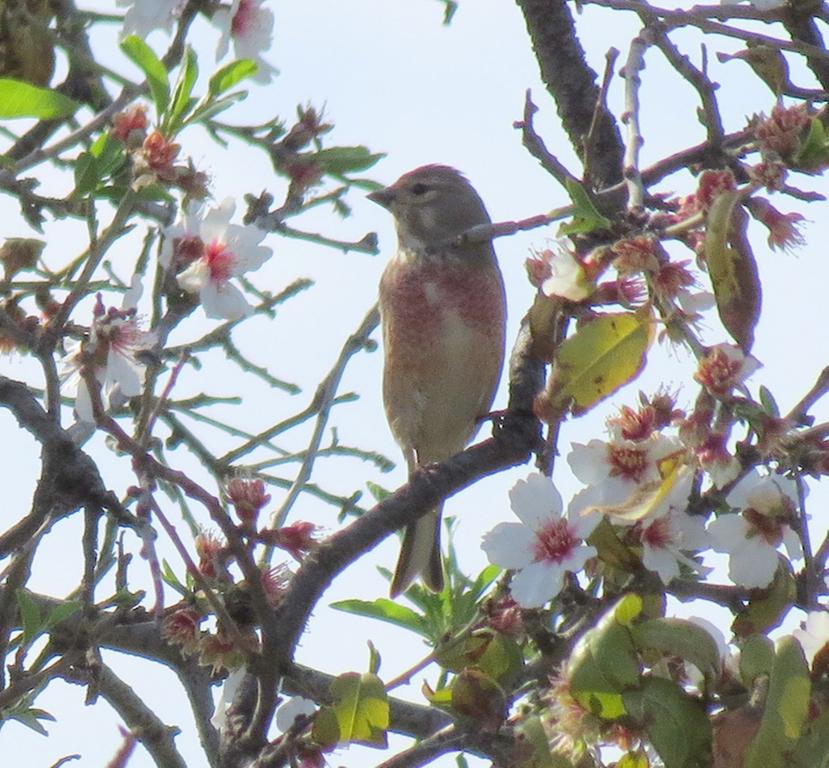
(572, 84)
(75, 479)
(157, 738)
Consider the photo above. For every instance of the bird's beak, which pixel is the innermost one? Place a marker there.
(384, 197)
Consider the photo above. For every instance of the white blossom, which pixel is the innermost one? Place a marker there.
(290, 710)
(211, 251)
(752, 537)
(144, 16)
(814, 635)
(617, 468)
(112, 351)
(249, 25)
(544, 545)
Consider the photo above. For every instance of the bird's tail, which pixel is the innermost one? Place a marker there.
(420, 555)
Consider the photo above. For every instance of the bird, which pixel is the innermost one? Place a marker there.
(443, 316)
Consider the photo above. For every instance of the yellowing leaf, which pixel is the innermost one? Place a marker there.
(787, 706)
(600, 357)
(646, 498)
(359, 712)
(604, 662)
(732, 269)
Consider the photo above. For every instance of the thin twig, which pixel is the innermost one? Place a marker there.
(324, 397)
(537, 148)
(634, 64)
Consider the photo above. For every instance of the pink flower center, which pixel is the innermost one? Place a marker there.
(555, 541)
(244, 18)
(719, 372)
(629, 463)
(220, 261)
(658, 534)
(770, 528)
(123, 338)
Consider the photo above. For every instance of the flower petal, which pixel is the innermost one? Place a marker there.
(589, 462)
(509, 545)
(535, 501)
(754, 566)
(223, 301)
(727, 532)
(537, 584)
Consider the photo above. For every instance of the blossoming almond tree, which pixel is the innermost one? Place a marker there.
(567, 648)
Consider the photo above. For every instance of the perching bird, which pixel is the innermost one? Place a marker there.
(443, 313)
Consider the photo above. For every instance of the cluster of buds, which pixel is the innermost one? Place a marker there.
(248, 498)
(301, 168)
(780, 135)
(154, 155)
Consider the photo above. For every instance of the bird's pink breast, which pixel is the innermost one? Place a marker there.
(417, 297)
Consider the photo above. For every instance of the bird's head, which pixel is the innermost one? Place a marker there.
(432, 205)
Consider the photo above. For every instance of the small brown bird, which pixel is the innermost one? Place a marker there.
(443, 314)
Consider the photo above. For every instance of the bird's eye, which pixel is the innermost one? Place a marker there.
(419, 189)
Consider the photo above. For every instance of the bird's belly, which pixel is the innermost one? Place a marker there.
(444, 354)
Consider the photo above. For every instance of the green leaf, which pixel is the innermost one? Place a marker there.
(787, 706)
(229, 75)
(477, 696)
(442, 697)
(586, 217)
(171, 580)
(449, 10)
(338, 161)
(104, 159)
(484, 580)
(633, 760)
(19, 99)
(378, 492)
(61, 612)
(385, 610)
(109, 153)
(813, 749)
(813, 153)
(30, 717)
(610, 548)
(30, 616)
(86, 174)
(374, 659)
(679, 637)
(627, 610)
(495, 654)
(530, 732)
(756, 658)
(732, 269)
(602, 356)
(604, 663)
(204, 112)
(145, 59)
(359, 712)
(187, 75)
(769, 403)
(675, 724)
